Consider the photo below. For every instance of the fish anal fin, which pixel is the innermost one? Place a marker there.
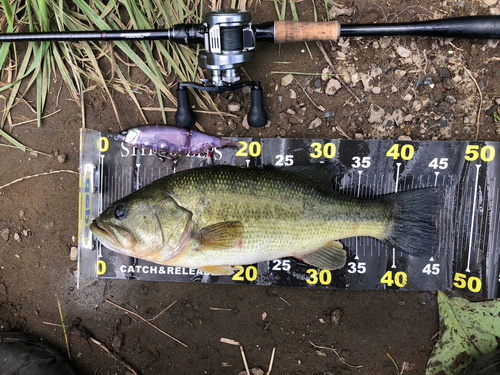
(219, 236)
(329, 257)
(217, 270)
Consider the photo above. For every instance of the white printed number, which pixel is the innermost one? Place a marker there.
(281, 265)
(356, 267)
(364, 163)
(284, 160)
(439, 163)
(431, 269)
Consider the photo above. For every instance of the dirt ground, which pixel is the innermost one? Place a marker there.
(426, 93)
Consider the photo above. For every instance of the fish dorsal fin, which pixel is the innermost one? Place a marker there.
(330, 257)
(217, 270)
(219, 236)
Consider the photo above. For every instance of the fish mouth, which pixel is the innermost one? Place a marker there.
(107, 237)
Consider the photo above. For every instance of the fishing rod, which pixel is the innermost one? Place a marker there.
(229, 38)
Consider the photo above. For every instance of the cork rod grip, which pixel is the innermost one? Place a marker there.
(292, 31)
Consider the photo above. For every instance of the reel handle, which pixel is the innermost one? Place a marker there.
(184, 116)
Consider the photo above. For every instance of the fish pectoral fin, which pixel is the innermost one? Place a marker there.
(330, 257)
(219, 236)
(217, 270)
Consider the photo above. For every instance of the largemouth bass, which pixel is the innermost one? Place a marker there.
(217, 217)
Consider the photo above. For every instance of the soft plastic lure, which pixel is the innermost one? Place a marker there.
(165, 139)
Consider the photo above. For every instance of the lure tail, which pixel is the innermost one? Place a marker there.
(414, 228)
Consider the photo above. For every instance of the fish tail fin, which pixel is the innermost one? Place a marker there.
(414, 229)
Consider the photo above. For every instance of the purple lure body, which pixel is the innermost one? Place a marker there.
(172, 139)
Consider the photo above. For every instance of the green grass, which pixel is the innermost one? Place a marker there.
(80, 63)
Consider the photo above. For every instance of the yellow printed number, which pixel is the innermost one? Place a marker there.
(324, 277)
(103, 144)
(328, 150)
(472, 153)
(399, 279)
(472, 283)
(254, 149)
(407, 152)
(245, 273)
(101, 267)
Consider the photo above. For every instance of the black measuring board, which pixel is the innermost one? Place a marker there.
(468, 254)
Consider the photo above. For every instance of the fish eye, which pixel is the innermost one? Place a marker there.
(120, 213)
(124, 132)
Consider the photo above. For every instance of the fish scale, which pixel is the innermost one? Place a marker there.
(279, 211)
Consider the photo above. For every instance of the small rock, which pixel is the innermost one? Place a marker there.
(62, 158)
(446, 132)
(466, 119)
(280, 98)
(34, 154)
(450, 99)
(366, 81)
(16, 237)
(233, 107)
(264, 315)
(466, 129)
(290, 111)
(286, 80)
(403, 52)
(460, 4)
(246, 90)
(340, 55)
(397, 115)
(25, 232)
(244, 123)
(404, 138)
(283, 132)
(376, 90)
(328, 114)
(427, 81)
(490, 2)
(332, 87)
(325, 74)
(497, 101)
(408, 118)
(377, 115)
(359, 136)
(335, 318)
(443, 122)
(73, 254)
(314, 123)
(491, 110)
(413, 46)
(293, 94)
(317, 85)
(253, 371)
(375, 72)
(400, 73)
(231, 124)
(309, 90)
(492, 43)
(416, 106)
(443, 72)
(408, 97)
(293, 120)
(5, 234)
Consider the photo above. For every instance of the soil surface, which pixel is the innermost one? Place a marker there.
(408, 88)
